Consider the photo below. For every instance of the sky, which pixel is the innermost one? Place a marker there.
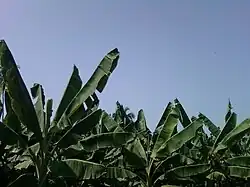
(196, 51)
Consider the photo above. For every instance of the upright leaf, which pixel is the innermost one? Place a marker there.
(164, 115)
(97, 81)
(73, 87)
(49, 112)
(169, 121)
(184, 119)
(38, 94)
(237, 133)
(229, 111)
(230, 125)
(11, 119)
(19, 95)
(179, 139)
(135, 154)
(80, 128)
(141, 122)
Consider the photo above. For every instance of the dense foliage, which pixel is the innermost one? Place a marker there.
(82, 145)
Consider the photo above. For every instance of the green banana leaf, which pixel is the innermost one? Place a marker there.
(80, 169)
(179, 139)
(190, 170)
(168, 121)
(135, 154)
(239, 171)
(141, 122)
(73, 87)
(211, 127)
(229, 111)
(237, 133)
(48, 115)
(97, 81)
(216, 176)
(38, 95)
(20, 99)
(105, 140)
(108, 122)
(230, 125)
(184, 119)
(239, 161)
(80, 128)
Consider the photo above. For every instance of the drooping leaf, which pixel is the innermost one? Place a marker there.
(108, 122)
(92, 101)
(113, 153)
(216, 176)
(120, 174)
(78, 169)
(239, 171)
(20, 99)
(119, 129)
(104, 140)
(24, 165)
(190, 170)
(174, 160)
(8, 136)
(186, 160)
(11, 137)
(80, 113)
(33, 148)
(239, 161)
(193, 118)
(212, 128)
(73, 150)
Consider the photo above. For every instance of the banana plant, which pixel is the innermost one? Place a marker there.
(217, 157)
(28, 127)
(150, 163)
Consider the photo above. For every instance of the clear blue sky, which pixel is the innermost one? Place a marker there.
(197, 51)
